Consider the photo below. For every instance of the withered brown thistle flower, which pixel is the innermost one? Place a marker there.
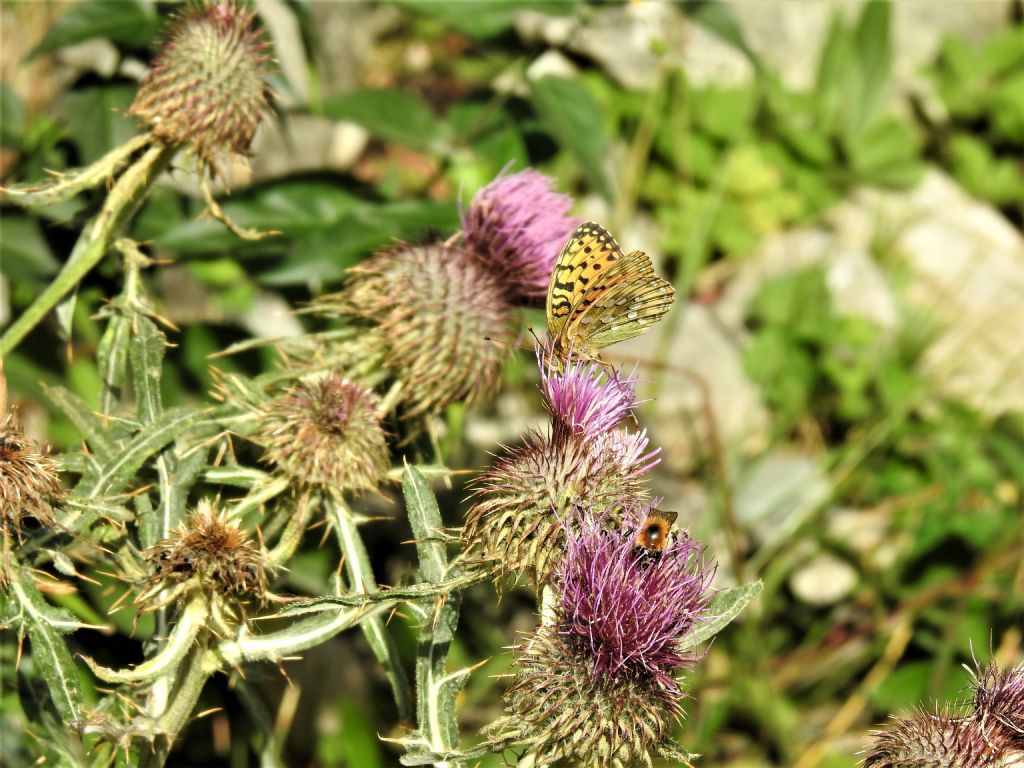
(29, 483)
(327, 433)
(210, 552)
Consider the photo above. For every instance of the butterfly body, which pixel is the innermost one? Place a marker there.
(599, 295)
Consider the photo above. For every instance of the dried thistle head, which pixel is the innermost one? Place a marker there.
(326, 433)
(515, 227)
(29, 483)
(438, 314)
(212, 552)
(207, 88)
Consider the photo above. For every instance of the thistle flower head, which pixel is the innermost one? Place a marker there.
(326, 433)
(437, 312)
(207, 88)
(629, 613)
(516, 226)
(596, 686)
(939, 740)
(582, 397)
(999, 697)
(212, 550)
(567, 715)
(524, 501)
(29, 483)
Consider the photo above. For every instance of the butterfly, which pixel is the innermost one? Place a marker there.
(653, 535)
(598, 295)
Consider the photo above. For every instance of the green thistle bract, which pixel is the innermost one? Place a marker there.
(442, 318)
(207, 87)
(524, 501)
(326, 433)
(568, 715)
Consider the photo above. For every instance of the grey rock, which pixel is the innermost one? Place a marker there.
(823, 580)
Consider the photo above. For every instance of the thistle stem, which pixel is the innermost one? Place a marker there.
(191, 621)
(120, 206)
(70, 183)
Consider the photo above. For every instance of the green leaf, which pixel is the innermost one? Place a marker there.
(115, 475)
(718, 17)
(874, 54)
(24, 252)
(725, 606)
(128, 21)
(94, 428)
(392, 115)
(12, 117)
(146, 354)
(361, 580)
(425, 519)
(725, 114)
(483, 18)
(45, 625)
(572, 116)
(97, 119)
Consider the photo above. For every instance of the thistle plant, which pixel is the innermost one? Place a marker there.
(206, 95)
(193, 514)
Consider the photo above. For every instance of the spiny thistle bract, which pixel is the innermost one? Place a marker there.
(29, 483)
(990, 735)
(442, 318)
(999, 697)
(929, 740)
(523, 503)
(515, 227)
(211, 551)
(597, 685)
(207, 88)
(326, 433)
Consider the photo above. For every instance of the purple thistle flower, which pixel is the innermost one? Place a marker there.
(582, 396)
(626, 450)
(629, 612)
(516, 226)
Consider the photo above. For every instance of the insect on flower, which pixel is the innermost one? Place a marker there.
(654, 534)
(599, 296)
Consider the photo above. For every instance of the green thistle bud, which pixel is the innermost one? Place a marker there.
(568, 715)
(437, 312)
(326, 433)
(207, 88)
(213, 553)
(29, 483)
